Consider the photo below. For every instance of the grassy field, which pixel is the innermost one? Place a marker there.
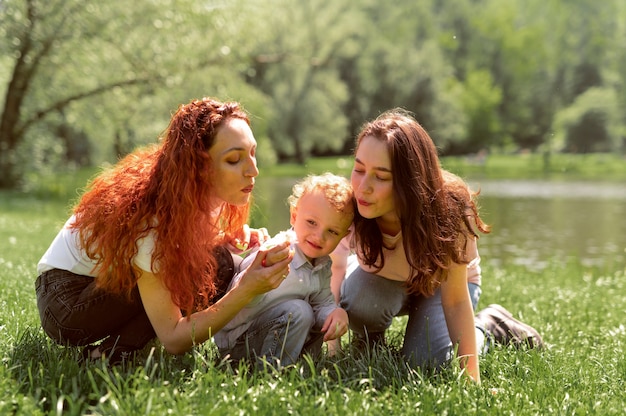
(579, 311)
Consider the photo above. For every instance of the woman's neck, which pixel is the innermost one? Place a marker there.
(389, 226)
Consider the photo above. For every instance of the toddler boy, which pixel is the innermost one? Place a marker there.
(296, 317)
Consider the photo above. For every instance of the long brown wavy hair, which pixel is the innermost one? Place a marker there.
(437, 210)
(166, 188)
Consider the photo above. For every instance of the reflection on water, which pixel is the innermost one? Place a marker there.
(549, 189)
(533, 222)
(531, 231)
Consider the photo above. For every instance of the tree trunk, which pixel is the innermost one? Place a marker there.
(10, 133)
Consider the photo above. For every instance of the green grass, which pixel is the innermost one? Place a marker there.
(579, 311)
(602, 166)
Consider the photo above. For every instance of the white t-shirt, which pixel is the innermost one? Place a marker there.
(65, 253)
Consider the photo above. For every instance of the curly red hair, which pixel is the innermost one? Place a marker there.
(166, 188)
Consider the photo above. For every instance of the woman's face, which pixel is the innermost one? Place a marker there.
(372, 180)
(234, 162)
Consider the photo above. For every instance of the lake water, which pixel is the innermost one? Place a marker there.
(533, 222)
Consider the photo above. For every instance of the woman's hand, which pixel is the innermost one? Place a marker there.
(179, 333)
(268, 270)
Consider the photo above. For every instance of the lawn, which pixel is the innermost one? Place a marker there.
(579, 310)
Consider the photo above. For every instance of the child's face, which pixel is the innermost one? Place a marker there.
(318, 226)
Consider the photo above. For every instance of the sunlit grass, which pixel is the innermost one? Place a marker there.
(578, 309)
(602, 166)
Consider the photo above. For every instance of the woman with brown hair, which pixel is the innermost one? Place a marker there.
(415, 235)
(144, 253)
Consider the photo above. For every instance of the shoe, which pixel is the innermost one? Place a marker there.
(507, 330)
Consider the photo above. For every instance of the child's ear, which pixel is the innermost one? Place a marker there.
(292, 216)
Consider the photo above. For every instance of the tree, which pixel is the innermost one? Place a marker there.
(294, 59)
(84, 80)
(480, 100)
(96, 68)
(591, 124)
(35, 30)
(401, 64)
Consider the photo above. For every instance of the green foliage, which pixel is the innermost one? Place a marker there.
(297, 72)
(480, 100)
(85, 81)
(595, 114)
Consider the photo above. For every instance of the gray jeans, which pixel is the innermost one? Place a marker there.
(372, 302)
(279, 335)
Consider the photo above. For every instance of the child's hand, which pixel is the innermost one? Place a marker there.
(335, 325)
(247, 239)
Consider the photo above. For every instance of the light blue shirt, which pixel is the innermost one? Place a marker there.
(304, 281)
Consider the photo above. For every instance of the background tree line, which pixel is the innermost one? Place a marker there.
(86, 81)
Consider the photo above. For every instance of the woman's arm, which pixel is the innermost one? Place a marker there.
(457, 309)
(178, 333)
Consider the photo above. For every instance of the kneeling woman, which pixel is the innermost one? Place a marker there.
(143, 254)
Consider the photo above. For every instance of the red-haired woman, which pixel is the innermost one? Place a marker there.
(143, 253)
(415, 237)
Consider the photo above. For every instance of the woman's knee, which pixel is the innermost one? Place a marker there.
(427, 343)
(370, 318)
(371, 301)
